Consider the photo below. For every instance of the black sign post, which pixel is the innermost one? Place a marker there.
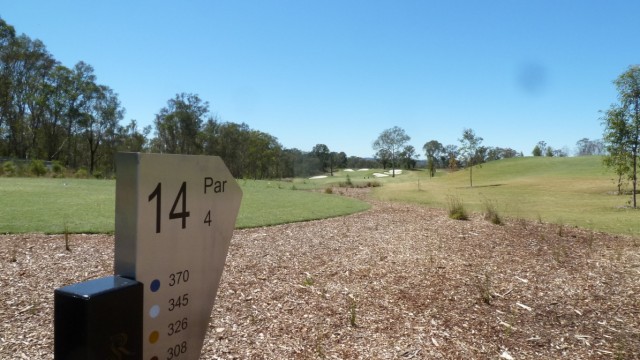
(99, 319)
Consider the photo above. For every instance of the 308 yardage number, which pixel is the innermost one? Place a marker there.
(176, 350)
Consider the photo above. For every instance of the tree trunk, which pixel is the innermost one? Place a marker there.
(636, 141)
(393, 167)
(635, 175)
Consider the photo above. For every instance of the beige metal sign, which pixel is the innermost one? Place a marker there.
(175, 216)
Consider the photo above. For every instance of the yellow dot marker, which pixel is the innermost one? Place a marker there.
(153, 338)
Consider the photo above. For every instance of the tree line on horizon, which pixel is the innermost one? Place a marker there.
(392, 149)
(62, 115)
(50, 112)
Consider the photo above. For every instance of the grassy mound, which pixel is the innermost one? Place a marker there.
(575, 191)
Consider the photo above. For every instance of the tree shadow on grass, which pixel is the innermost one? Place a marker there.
(480, 186)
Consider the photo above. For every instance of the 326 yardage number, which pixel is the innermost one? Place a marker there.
(177, 326)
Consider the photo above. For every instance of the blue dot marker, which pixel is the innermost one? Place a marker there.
(155, 285)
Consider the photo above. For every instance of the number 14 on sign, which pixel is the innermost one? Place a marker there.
(176, 213)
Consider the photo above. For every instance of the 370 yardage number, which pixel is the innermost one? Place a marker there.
(181, 201)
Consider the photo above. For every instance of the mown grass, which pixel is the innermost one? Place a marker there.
(51, 205)
(568, 191)
(273, 202)
(88, 206)
(572, 191)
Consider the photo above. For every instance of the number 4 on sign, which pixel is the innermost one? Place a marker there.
(207, 219)
(184, 214)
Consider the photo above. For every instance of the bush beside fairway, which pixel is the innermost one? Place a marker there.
(567, 191)
(88, 206)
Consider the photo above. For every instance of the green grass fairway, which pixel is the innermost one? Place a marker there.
(50, 205)
(569, 191)
(273, 202)
(88, 206)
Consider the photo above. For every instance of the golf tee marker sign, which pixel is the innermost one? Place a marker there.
(175, 215)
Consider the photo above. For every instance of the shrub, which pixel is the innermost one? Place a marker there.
(308, 280)
(359, 185)
(81, 173)
(98, 174)
(328, 190)
(57, 168)
(9, 168)
(491, 213)
(37, 168)
(456, 208)
(484, 288)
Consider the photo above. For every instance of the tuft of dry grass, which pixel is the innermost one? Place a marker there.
(490, 211)
(456, 208)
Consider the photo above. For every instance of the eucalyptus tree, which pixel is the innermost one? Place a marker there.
(48, 111)
(391, 142)
(383, 156)
(99, 125)
(322, 152)
(208, 136)
(263, 153)
(622, 124)
(587, 147)
(340, 159)
(130, 138)
(297, 163)
(80, 94)
(7, 37)
(432, 149)
(451, 156)
(57, 106)
(25, 65)
(231, 145)
(469, 146)
(616, 137)
(409, 157)
(179, 123)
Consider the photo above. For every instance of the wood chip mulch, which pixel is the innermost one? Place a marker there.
(396, 282)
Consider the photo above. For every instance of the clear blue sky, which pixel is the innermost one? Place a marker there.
(339, 72)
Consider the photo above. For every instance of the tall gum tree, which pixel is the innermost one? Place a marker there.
(469, 145)
(432, 150)
(391, 141)
(622, 124)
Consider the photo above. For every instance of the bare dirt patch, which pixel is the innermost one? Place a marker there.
(396, 282)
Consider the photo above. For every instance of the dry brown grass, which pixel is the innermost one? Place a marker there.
(396, 282)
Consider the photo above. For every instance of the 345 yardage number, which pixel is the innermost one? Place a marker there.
(179, 208)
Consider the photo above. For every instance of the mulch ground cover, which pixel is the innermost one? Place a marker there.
(396, 282)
